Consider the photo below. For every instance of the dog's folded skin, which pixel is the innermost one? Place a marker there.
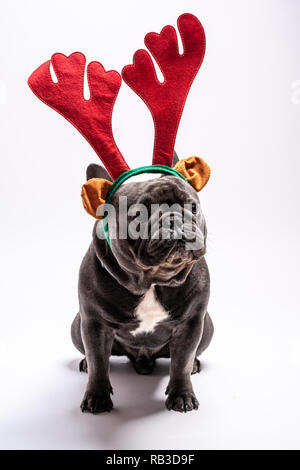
(141, 300)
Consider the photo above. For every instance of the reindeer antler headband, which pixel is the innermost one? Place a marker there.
(93, 117)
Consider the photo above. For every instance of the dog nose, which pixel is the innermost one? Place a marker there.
(173, 223)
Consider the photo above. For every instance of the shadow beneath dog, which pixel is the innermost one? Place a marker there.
(134, 399)
(51, 417)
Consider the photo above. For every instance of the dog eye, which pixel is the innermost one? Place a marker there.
(194, 208)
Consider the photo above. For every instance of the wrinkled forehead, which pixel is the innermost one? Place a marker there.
(156, 190)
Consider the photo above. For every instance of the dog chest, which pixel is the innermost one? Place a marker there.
(150, 312)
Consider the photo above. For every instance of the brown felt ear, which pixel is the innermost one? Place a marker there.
(93, 194)
(195, 170)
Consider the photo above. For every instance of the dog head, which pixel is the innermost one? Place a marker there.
(156, 225)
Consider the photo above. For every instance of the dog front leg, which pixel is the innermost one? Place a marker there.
(97, 340)
(183, 346)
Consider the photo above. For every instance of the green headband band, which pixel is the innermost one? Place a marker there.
(128, 174)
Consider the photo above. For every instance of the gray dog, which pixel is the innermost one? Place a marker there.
(144, 299)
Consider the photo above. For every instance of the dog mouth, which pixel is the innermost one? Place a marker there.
(172, 246)
(169, 265)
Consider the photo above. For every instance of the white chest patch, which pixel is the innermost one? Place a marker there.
(149, 312)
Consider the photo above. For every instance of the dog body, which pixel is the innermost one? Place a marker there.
(145, 299)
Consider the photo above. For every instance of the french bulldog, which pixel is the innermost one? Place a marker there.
(144, 298)
(143, 295)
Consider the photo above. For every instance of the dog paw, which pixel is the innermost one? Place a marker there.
(83, 365)
(196, 367)
(182, 402)
(96, 403)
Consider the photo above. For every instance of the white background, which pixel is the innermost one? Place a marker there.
(242, 117)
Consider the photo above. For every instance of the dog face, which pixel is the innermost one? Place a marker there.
(164, 230)
(155, 226)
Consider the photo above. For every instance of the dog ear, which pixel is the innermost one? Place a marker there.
(94, 193)
(97, 171)
(195, 170)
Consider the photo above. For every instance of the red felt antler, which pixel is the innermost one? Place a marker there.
(166, 100)
(91, 117)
